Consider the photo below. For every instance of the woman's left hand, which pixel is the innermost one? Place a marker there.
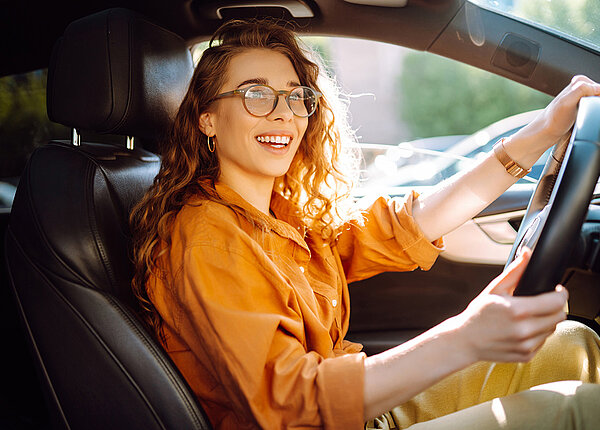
(558, 117)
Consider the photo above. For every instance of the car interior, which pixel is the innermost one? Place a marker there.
(77, 355)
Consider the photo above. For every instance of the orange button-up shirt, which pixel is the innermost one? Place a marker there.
(255, 314)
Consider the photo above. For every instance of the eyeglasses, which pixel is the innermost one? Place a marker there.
(261, 100)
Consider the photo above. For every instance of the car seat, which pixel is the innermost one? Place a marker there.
(68, 240)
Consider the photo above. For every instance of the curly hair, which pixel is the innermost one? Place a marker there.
(320, 177)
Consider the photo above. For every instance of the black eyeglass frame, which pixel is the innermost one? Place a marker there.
(242, 93)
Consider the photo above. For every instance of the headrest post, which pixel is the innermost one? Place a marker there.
(130, 143)
(75, 141)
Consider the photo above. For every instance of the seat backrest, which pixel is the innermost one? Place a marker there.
(68, 240)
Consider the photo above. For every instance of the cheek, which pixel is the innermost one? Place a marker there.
(302, 130)
(302, 126)
(233, 124)
(306, 145)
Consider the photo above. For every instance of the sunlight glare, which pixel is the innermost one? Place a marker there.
(481, 138)
(385, 165)
(498, 411)
(426, 170)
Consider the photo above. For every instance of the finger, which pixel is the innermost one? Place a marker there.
(581, 78)
(580, 86)
(534, 327)
(584, 89)
(525, 351)
(524, 252)
(507, 281)
(535, 351)
(574, 81)
(540, 305)
(561, 289)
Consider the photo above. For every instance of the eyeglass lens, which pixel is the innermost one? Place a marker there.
(261, 100)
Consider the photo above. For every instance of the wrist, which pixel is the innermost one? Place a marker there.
(512, 167)
(459, 349)
(522, 151)
(528, 144)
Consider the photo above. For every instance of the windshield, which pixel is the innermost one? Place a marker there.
(576, 19)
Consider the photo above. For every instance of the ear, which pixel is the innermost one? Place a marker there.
(206, 123)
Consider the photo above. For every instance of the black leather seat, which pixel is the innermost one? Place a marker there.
(68, 238)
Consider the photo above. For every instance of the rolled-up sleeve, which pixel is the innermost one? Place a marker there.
(386, 238)
(338, 380)
(244, 318)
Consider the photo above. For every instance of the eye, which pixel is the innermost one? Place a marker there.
(260, 92)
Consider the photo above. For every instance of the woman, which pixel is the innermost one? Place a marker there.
(244, 248)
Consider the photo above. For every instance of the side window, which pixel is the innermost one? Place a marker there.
(24, 125)
(420, 117)
(575, 19)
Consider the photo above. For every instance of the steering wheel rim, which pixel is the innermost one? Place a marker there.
(558, 207)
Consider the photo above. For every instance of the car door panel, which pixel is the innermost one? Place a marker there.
(485, 240)
(391, 308)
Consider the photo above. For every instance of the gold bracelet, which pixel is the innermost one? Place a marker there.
(511, 166)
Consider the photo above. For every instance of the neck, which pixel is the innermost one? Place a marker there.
(257, 192)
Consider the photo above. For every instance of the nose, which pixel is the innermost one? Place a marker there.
(282, 110)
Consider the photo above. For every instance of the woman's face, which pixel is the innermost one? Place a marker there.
(247, 145)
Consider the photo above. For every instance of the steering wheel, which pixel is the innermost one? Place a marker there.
(559, 204)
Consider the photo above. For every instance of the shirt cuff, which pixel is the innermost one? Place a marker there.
(340, 382)
(417, 247)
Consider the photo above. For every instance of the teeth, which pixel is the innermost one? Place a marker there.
(274, 140)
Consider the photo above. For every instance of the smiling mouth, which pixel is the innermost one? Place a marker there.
(275, 141)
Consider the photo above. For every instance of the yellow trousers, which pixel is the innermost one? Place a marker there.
(514, 395)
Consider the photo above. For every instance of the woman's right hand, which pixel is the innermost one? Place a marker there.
(497, 326)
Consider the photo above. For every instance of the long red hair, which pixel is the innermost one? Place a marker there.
(320, 177)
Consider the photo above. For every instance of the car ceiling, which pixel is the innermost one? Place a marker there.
(456, 29)
(29, 28)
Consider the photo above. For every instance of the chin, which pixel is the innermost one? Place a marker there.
(277, 171)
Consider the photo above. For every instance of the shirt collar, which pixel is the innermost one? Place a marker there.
(288, 223)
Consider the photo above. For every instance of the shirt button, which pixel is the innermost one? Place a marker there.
(334, 303)
(302, 269)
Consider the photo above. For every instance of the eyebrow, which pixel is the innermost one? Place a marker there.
(263, 81)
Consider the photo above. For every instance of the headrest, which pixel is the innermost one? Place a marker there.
(116, 72)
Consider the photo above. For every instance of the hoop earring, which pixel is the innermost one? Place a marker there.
(211, 145)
